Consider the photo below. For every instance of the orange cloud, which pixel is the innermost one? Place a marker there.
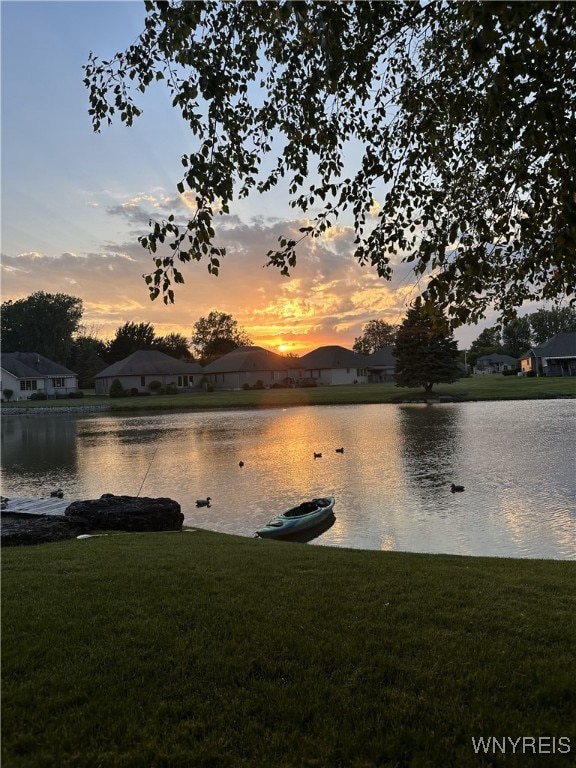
(327, 299)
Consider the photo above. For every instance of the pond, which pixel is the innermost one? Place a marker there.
(391, 483)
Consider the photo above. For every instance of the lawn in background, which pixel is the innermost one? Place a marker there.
(479, 387)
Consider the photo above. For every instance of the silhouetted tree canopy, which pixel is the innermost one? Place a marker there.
(42, 322)
(88, 356)
(376, 334)
(129, 338)
(517, 336)
(216, 335)
(457, 117)
(173, 344)
(546, 323)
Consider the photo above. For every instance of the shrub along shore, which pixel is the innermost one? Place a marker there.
(203, 649)
(487, 387)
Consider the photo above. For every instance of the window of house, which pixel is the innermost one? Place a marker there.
(58, 382)
(183, 381)
(28, 384)
(142, 381)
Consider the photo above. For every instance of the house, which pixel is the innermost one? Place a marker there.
(252, 366)
(381, 365)
(556, 357)
(335, 365)
(28, 373)
(495, 363)
(141, 368)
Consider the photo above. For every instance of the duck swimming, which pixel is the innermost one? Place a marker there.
(456, 488)
(203, 502)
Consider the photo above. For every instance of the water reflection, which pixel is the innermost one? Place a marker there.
(391, 484)
(431, 446)
(40, 451)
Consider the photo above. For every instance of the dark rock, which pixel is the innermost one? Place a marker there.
(127, 513)
(20, 529)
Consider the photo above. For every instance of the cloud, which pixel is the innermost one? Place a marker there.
(327, 299)
(142, 208)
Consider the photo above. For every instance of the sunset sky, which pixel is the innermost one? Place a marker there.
(74, 203)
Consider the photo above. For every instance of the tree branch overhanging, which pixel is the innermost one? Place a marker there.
(454, 106)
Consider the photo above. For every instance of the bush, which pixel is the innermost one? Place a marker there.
(171, 389)
(246, 385)
(38, 396)
(531, 374)
(155, 386)
(308, 383)
(134, 391)
(116, 389)
(513, 372)
(74, 395)
(259, 384)
(8, 394)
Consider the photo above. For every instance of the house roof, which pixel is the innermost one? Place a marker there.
(149, 362)
(561, 345)
(251, 358)
(25, 365)
(332, 356)
(496, 358)
(382, 358)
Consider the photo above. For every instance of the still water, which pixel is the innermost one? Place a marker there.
(392, 483)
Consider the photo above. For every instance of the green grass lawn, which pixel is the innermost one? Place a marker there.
(495, 387)
(200, 649)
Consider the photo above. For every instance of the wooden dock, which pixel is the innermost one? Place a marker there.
(52, 507)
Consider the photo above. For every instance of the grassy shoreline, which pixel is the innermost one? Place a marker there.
(202, 649)
(474, 388)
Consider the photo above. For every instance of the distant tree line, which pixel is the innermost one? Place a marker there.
(51, 325)
(423, 343)
(520, 335)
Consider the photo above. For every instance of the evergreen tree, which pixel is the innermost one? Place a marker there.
(425, 351)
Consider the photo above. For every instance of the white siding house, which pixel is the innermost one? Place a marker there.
(28, 373)
(495, 363)
(335, 365)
